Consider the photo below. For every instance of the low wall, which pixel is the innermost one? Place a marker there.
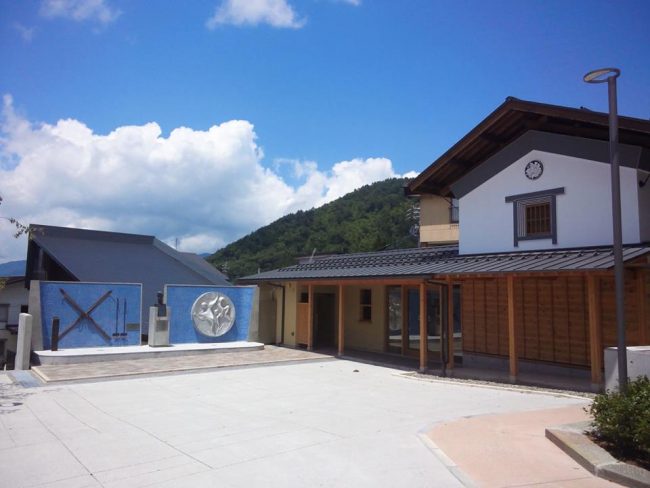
(638, 364)
(181, 298)
(114, 308)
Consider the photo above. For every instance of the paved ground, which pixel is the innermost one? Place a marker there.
(518, 441)
(331, 423)
(132, 367)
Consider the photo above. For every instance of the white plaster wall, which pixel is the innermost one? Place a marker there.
(584, 215)
(15, 295)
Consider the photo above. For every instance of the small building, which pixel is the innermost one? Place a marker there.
(515, 265)
(66, 254)
(13, 301)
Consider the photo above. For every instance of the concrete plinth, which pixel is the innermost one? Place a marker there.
(95, 354)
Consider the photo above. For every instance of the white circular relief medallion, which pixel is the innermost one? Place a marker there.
(213, 314)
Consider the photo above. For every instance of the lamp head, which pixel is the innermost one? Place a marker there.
(601, 75)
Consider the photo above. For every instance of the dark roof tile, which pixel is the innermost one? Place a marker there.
(446, 260)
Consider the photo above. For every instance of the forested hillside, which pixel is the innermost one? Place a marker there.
(372, 218)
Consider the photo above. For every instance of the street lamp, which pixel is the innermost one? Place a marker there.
(609, 75)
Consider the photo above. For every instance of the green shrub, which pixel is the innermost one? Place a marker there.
(623, 421)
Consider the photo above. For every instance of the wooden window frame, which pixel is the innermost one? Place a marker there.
(538, 219)
(453, 211)
(521, 202)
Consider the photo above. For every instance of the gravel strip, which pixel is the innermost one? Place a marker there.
(495, 384)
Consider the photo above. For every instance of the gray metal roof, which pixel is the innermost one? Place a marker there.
(445, 260)
(96, 256)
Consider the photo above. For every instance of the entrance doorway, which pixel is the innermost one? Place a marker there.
(325, 320)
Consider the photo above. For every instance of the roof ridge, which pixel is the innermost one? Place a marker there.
(39, 230)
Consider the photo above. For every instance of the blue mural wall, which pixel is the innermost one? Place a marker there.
(113, 313)
(180, 299)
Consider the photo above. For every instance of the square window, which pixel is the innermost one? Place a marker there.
(538, 219)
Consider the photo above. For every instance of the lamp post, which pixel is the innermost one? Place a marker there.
(609, 75)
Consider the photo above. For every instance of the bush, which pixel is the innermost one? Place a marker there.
(623, 421)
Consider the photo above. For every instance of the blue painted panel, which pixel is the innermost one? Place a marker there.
(181, 298)
(120, 307)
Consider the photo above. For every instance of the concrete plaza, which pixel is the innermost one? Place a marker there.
(332, 423)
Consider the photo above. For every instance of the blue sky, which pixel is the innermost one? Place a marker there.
(328, 94)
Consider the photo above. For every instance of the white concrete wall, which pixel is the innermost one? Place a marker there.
(638, 364)
(584, 215)
(15, 295)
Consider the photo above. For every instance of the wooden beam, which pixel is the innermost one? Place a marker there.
(450, 324)
(413, 281)
(595, 331)
(341, 319)
(423, 327)
(642, 308)
(310, 317)
(512, 329)
(501, 141)
(527, 274)
(361, 282)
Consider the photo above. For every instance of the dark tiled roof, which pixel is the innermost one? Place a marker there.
(445, 260)
(507, 123)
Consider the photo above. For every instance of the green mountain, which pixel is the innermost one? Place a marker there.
(372, 218)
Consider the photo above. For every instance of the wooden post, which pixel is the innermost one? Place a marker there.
(595, 331)
(424, 343)
(341, 320)
(643, 308)
(512, 329)
(310, 317)
(450, 324)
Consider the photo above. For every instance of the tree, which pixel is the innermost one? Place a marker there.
(20, 228)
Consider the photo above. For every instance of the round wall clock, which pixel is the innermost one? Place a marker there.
(534, 170)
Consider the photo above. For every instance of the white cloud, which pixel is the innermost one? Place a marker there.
(356, 3)
(276, 13)
(80, 10)
(27, 33)
(206, 188)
